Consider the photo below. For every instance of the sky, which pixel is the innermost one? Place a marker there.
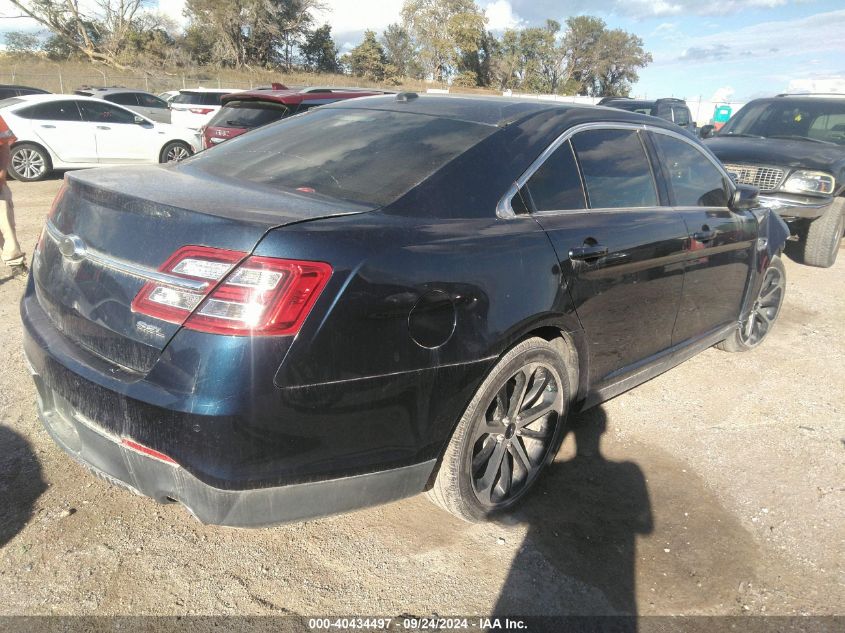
(716, 49)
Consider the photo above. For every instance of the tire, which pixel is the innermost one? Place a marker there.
(821, 242)
(30, 163)
(522, 449)
(174, 152)
(764, 312)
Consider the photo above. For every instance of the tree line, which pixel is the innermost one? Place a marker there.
(445, 41)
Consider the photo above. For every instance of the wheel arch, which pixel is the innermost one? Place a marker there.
(50, 155)
(181, 141)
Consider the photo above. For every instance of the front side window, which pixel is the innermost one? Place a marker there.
(52, 111)
(556, 185)
(615, 168)
(101, 112)
(150, 101)
(693, 179)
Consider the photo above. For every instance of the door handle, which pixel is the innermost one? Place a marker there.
(49, 127)
(705, 236)
(587, 251)
(103, 127)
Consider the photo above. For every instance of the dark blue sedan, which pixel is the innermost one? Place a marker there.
(381, 297)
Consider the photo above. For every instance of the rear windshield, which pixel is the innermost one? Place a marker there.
(370, 157)
(199, 98)
(249, 114)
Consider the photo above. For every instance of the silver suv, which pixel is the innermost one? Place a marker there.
(138, 101)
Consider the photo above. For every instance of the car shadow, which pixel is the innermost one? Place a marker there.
(584, 518)
(21, 483)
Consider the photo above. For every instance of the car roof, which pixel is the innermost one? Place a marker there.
(294, 97)
(224, 91)
(19, 87)
(494, 111)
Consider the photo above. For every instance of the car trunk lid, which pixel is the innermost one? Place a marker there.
(112, 229)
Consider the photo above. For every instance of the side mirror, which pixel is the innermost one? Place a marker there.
(706, 131)
(745, 198)
(139, 120)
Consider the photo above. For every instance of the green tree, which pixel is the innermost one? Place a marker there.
(367, 59)
(447, 33)
(619, 56)
(400, 53)
(20, 43)
(319, 51)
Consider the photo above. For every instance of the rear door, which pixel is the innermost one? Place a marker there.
(620, 251)
(59, 125)
(719, 251)
(120, 140)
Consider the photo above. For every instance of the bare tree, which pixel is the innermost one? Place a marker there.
(99, 33)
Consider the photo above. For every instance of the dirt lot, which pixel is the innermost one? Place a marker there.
(719, 489)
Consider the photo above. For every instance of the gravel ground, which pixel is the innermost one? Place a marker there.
(718, 488)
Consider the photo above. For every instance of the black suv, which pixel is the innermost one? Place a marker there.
(674, 110)
(792, 147)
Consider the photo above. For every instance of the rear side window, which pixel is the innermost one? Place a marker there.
(693, 179)
(556, 185)
(52, 111)
(123, 98)
(6, 93)
(615, 168)
(249, 114)
(680, 115)
(98, 112)
(371, 157)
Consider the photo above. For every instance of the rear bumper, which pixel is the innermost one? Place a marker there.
(105, 455)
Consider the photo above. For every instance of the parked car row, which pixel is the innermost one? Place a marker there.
(114, 126)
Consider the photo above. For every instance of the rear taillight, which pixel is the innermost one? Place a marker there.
(50, 216)
(244, 295)
(201, 110)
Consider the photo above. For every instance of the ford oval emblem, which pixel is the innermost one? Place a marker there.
(72, 247)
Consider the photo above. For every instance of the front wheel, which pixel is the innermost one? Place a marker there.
(510, 431)
(29, 163)
(764, 312)
(175, 152)
(821, 242)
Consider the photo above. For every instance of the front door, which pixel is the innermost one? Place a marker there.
(621, 254)
(720, 248)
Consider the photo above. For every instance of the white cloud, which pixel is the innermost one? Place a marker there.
(501, 16)
(355, 17)
(723, 94)
(172, 9)
(820, 33)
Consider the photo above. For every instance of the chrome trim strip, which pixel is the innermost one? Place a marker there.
(128, 268)
(506, 212)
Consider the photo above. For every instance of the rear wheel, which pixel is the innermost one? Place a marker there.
(764, 312)
(821, 242)
(508, 434)
(29, 163)
(175, 152)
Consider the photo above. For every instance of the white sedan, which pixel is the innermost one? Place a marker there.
(63, 132)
